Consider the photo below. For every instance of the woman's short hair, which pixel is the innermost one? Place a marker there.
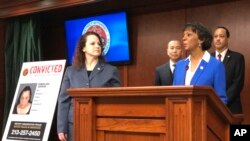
(204, 34)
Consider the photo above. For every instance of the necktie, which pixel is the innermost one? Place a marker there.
(219, 57)
(173, 68)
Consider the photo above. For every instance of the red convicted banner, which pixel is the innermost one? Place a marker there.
(46, 69)
(34, 103)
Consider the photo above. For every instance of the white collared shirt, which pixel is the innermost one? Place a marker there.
(189, 73)
(171, 64)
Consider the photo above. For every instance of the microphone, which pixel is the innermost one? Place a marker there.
(187, 67)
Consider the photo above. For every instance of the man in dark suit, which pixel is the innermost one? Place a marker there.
(234, 63)
(164, 72)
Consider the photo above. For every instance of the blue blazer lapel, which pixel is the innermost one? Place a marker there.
(184, 69)
(198, 72)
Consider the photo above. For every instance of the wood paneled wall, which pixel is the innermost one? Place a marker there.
(150, 32)
(149, 35)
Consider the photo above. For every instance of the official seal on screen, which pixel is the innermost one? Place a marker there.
(100, 28)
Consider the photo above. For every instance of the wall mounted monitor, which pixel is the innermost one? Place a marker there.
(112, 28)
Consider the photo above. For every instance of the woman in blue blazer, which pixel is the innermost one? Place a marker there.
(87, 71)
(200, 68)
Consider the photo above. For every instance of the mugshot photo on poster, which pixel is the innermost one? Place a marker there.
(24, 98)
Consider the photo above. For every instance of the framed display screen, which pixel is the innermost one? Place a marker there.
(111, 27)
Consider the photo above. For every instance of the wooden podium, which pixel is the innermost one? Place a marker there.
(154, 113)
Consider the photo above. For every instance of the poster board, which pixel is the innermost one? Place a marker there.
(34, 102)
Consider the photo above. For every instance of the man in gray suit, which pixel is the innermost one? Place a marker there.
(164, 72)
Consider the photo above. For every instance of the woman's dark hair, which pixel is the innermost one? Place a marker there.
(79, 56)
(204, 34)
(27, 88)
